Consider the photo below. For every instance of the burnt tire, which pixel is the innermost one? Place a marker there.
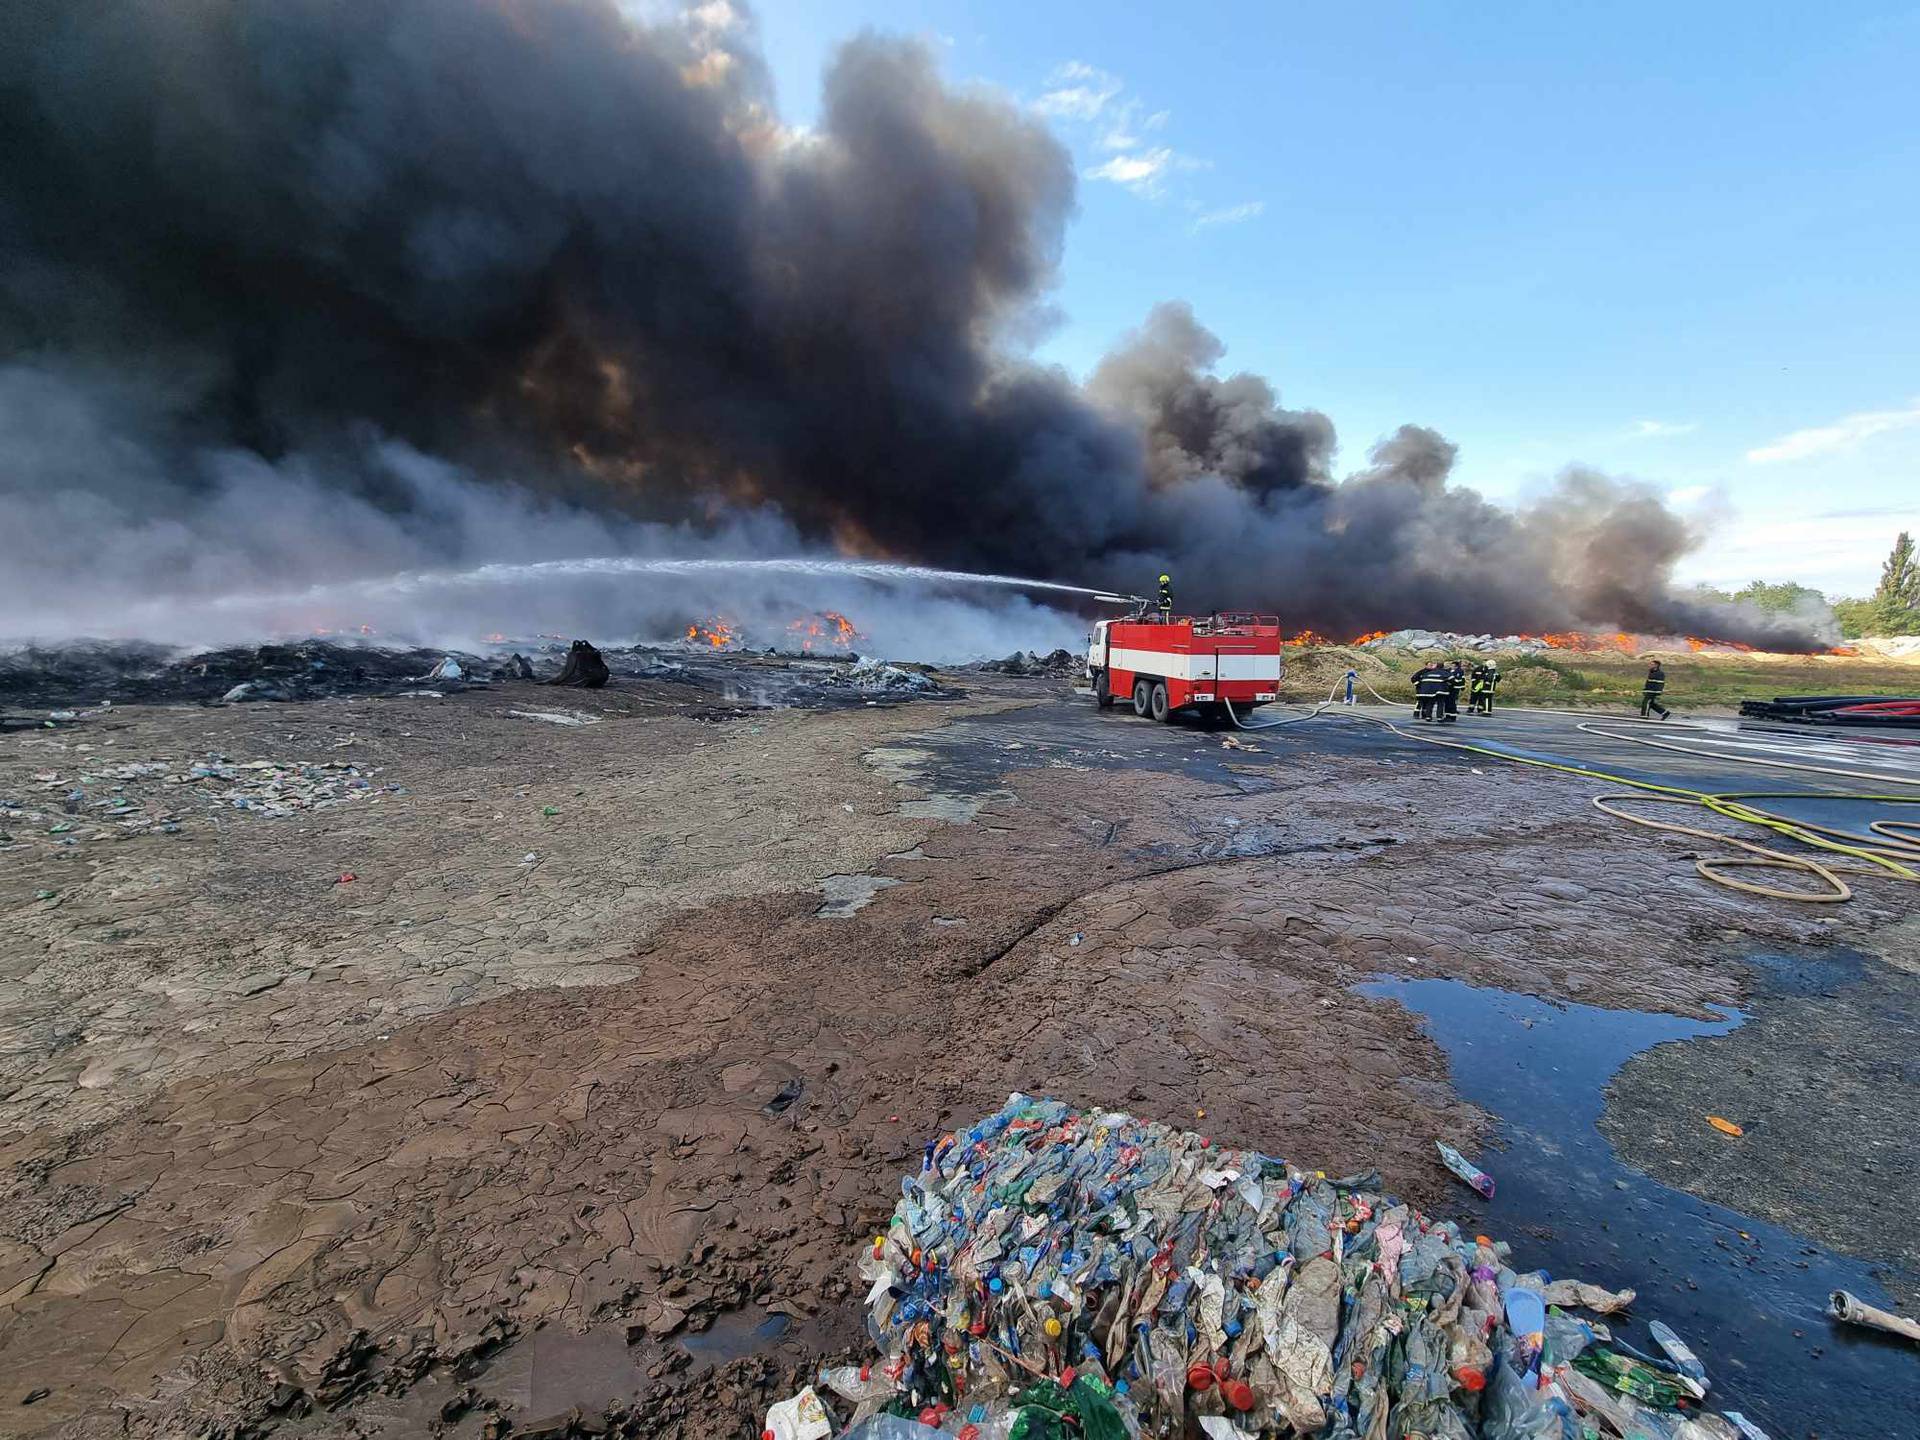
(1142, 699)
(1162, 708)
(1102, 696)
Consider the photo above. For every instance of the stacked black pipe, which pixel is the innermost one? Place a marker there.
(1867, 711)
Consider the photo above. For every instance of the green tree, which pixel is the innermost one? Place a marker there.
(1899, 587)
(1894, 606)
(1785, 597)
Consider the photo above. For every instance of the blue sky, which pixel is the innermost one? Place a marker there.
(1673, 241)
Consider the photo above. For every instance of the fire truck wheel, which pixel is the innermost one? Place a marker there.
(1142, 698)
(1162, 711)
(1102, 696)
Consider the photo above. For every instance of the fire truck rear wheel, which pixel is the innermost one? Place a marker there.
(1162, 710)
(1142, 699)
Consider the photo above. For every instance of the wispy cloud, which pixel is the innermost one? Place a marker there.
(1141, 171)
(1844, 434)
(1093, 105)
(1228, 215)
(1128, 124)
(1689, 494)
(1650, 429)
(1078, 91)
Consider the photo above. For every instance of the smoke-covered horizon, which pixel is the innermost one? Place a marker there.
(304, 292)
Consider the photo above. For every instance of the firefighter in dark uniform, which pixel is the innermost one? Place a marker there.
(1456, 682)
(1166, 597)
(1429, 690)
(1480, 689)
(1650, 694)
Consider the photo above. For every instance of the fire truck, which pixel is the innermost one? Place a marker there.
(1185, 663)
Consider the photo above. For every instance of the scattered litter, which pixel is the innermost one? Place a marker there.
(1051, 1272)
(347, 877)
(1844, 1306)
(1725, 1127)
(549, 810)
(1748, 1430)
(45, 894)
(556, 717)
(447, 669)
(802, 1417)
(1465, 1169)
(1233, 742)
(63, 715)
(532, 857)
(1077, 937)
(783, 1098)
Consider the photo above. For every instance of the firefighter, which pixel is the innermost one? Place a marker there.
(1166, 597)
(1429, 690)
(1650, 693)
(1456, 682)
(1480, 689)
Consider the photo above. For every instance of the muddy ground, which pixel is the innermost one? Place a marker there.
(588, 1081)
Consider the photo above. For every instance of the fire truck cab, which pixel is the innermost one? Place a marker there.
(1183, 663)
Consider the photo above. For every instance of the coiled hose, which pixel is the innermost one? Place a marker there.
(1881, 859)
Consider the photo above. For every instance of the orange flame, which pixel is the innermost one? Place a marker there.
(719, 633)
(1369, 636)
(829, 626)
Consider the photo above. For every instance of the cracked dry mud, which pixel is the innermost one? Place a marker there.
(270, 1142)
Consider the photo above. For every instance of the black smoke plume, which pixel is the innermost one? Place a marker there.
(253, 250)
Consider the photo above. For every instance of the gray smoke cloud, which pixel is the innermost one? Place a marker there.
(303, 290)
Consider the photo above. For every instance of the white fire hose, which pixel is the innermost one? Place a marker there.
(1855, 1311)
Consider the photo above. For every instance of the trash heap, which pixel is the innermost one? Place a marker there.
(1051, 1271)
(100, 801)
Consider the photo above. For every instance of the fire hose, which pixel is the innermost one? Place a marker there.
(1882, 858)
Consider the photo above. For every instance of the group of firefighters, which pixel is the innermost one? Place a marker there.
(1438, 685)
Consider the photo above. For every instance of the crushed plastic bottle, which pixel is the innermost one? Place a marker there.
(1679, 1351)
(1465, 1169)
(1633, 1377)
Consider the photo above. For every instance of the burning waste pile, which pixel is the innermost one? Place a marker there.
(1625, 644)
(1051, 1272)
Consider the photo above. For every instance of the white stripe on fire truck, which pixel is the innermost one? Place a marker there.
(1173, 666)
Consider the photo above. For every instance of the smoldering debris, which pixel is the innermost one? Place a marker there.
(48, 681)
(1057, 662)
(579, 291)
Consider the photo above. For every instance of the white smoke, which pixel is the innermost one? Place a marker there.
(111, 542)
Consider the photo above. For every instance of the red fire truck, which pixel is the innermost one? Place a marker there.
(1185, 662)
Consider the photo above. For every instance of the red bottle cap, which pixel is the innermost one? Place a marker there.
(1470, 1378)
(1200, 1377)
(1221, 1370)
(1239, 1394)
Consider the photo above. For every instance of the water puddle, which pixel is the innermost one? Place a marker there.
(735, 1335)
(848, 893)
(1748, 1296)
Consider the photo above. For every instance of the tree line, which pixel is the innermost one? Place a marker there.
(1892, 609)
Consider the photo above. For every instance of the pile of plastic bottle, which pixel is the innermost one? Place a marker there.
(1051, 1271)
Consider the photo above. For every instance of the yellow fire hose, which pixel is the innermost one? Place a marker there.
(1881, 859)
